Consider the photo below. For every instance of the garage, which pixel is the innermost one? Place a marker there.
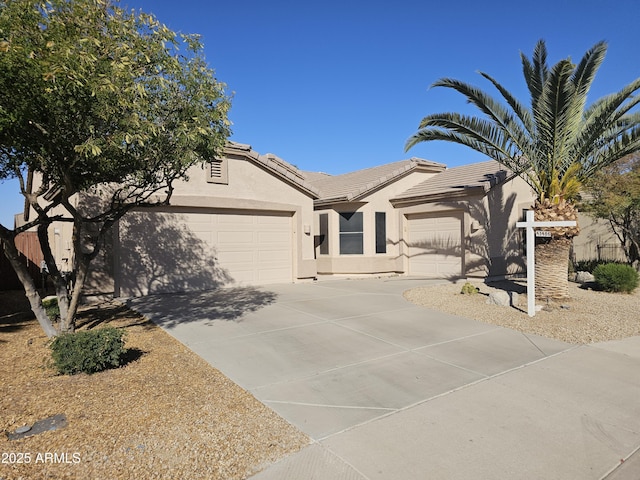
(185, 250)
(435, 244)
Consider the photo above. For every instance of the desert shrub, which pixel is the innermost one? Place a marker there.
(590, 265)
(50, 305)
(615, 277)
(88, 351)
(469, 289)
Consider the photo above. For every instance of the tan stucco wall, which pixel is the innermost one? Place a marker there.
(596, 240)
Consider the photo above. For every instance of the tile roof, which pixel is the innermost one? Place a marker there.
(273, 163)
(458, 180)
(353, 185)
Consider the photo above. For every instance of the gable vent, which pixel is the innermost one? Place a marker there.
(218, 171)
(216, 168)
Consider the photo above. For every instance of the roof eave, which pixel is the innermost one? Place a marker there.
(437, 196)
(288, 175)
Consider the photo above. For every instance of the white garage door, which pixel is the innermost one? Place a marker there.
(183, 251)
(435, 247)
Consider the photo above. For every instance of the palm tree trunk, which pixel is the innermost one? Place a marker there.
(552, 269)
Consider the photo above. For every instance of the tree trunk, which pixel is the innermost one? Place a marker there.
(29, 285)
(58, 281)
(81, 272)
(552, 269)
(552, 255)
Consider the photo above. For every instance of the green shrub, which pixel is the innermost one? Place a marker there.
(469, 289)
(590, 265)
(88, 351)
(50, 305)
(615, 277)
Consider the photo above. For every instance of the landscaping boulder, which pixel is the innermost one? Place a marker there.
(515, 299)
(584, 277)
(499, 298)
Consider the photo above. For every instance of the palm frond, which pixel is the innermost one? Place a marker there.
(557, 143)
(496, 112)
(554, 116)
(586, 70)
(606, 112)
(627, 141)
(483, 134)
(535, 71)
(523, 114)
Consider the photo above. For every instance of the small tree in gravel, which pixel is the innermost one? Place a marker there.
(98, 100)
(614, 195)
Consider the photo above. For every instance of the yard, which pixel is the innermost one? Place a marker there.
(169, 414)
(166, 414)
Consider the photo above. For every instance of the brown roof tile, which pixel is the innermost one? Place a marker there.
(458, 180)
(352, 185)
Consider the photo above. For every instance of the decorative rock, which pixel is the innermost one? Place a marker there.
(53, 422)
(24, 429)
(584, 277)
(515, 299)
(499, 298)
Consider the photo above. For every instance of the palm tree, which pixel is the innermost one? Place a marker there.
(555, 145)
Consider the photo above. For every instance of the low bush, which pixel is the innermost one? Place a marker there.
(615, 277)
(590, 265)
(88, 351)
(469, 289)
(50, 305)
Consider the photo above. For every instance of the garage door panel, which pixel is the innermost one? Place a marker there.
(277, 237)
(168, 252)
(233, 219)
(435, 245)
(235, 237)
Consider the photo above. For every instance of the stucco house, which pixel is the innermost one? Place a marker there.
(418, 218)
(252, 219)
(246, 218)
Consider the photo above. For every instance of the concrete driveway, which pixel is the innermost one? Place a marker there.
(389, 390)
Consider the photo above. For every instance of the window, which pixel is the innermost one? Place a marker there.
(350, 233)
(323, 240)
(218, 171)
(381, 232)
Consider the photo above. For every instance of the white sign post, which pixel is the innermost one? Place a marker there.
(530, 224)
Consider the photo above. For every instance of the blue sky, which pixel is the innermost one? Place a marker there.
(336, 86)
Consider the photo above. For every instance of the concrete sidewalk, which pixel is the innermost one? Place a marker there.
(389, 390)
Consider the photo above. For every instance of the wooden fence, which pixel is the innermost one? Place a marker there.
(29, 247)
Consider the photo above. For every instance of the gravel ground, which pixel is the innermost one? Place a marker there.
(590, 316)
(165, 415)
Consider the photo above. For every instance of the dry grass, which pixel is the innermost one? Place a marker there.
(166, 414)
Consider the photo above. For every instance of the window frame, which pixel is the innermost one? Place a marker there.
(351, 220)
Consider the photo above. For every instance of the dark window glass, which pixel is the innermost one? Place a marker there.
(381, 232)
(324, 234)
(351, 222)
(350, 233)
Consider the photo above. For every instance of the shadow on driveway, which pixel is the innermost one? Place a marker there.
(221, 304)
